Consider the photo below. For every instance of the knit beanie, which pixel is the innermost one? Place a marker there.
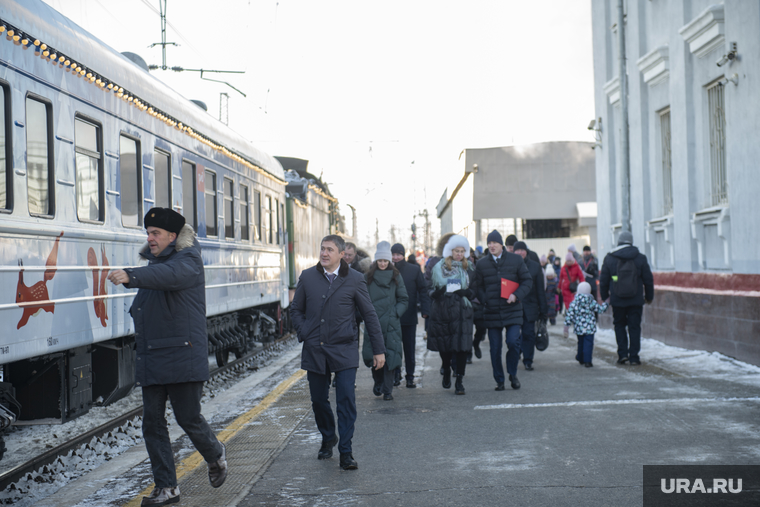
(511, 240)
(520, 245)
(569, 257)
(456, 241)
(495, 237)
(625, 238)
(572, 248)
(543, 259)
(398, 248)
(584, 288)
(550, 271)
(383, 251)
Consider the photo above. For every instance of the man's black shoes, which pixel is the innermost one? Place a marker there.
(476, 350)
(514, 382)
(325, 451)
(635, 362)
(347, 461)
(410, 384)
(529, 367)
(388, 397)
(622, 360)
(377, 389)
(500, 387)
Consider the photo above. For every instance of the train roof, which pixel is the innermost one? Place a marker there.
(39, 20)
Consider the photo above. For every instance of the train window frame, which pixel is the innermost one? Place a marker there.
(245, 216)
(257, 215)
(229, 222)
(139, 176)
(193, 179)
(270, 218)
(7, 125)
(277, 212)
(210, 191)
(168, 180)
(80, 150)
(48, 104)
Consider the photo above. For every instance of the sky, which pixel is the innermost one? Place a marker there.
(380, 97)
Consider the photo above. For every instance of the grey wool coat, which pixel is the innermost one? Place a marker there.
(169, 312)
(324, 317)
(390, 301)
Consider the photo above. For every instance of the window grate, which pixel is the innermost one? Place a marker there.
(718, 180)
(667, 174)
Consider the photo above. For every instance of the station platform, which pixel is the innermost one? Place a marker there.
(570, 436)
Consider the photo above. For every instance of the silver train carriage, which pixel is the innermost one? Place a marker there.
(89, 142)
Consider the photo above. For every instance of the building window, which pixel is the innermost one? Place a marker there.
(667, 176)
(89, 159)
(257, 214)
(270, 218)
(245, 221)
(163, 179)
(211, 210)
(229, 215)
(717, 110)
(39, 158)
(189, 198)
(131, 183)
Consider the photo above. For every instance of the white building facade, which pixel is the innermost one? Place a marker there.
(693, 74)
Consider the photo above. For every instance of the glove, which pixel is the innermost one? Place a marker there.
(648, 301)
(437, 293)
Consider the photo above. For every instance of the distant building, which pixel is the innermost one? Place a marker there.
(694, 119)
(544, 193)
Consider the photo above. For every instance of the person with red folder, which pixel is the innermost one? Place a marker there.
(503, 282)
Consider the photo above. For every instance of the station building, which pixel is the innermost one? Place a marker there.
(544, 193)
(694, 116)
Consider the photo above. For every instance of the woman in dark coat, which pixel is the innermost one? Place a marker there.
(389, 297)
(450, 330)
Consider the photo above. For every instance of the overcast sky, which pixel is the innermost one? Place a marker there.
(363, 89)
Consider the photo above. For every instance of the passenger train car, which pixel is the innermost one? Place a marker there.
(89, 142)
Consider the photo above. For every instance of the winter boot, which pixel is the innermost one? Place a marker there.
(446, 379)
(458, 387)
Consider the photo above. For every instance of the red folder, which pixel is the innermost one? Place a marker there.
(508, 287)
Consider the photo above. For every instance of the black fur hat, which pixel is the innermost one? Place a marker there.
(164, 218)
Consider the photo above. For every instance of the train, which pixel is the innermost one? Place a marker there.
(89, 141)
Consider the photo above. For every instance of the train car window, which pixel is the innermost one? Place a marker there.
(6, 168)
(131, 182)
(163, 177)
(229, 214)
(282, 222)
(189, 197)
(39, 158)
(89, 160)
(257, 214)
(270, 217)
(245, 221)
(277, 210)
(211, 209)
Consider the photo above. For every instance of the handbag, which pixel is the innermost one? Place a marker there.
(542, 335)
(573, 285)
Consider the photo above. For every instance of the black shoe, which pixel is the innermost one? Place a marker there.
(161, 496)
(377, 389)
(217, 471)
(388, 397)
(476, 350)
(347, 461)
(500, 387)
(622, 360)
(325, 451)
(635, 362)
(529, 367)
(514, 382)
(410, 384)
(588, 365)
(397, 378)
(446, 383)
(459, 387)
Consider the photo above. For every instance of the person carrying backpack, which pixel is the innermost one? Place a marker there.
(627, 281)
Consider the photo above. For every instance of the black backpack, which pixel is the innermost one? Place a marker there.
(627, 284)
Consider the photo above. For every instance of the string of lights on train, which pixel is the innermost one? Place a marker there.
(46, 52)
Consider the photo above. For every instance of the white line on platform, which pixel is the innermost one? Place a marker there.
(612, 402)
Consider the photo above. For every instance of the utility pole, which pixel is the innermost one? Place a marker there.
(624, 147)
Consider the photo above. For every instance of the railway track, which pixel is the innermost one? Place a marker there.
(224, 373)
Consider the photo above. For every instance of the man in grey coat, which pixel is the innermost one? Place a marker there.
(323, 313)
(169, 312)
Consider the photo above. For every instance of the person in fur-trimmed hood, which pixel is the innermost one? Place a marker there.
(356, 258)
(169, 312)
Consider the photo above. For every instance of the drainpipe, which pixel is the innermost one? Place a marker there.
(624, 147)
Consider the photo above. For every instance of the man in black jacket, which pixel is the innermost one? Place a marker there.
(590, 268)
(627, 280)
(323, 313)
(534, 306)
(416, 286)
(498, 312)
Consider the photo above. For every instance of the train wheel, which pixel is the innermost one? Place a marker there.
(222, 357)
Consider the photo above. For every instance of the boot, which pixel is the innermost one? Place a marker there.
(458, 387)
(446, 378)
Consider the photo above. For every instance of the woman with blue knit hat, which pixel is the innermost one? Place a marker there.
(389, 297)
(450, 331)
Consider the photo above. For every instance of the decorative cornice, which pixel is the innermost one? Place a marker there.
(655, 65)
(612, 89)
(705, 32)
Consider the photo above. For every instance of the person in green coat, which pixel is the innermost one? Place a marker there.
(389, 297)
